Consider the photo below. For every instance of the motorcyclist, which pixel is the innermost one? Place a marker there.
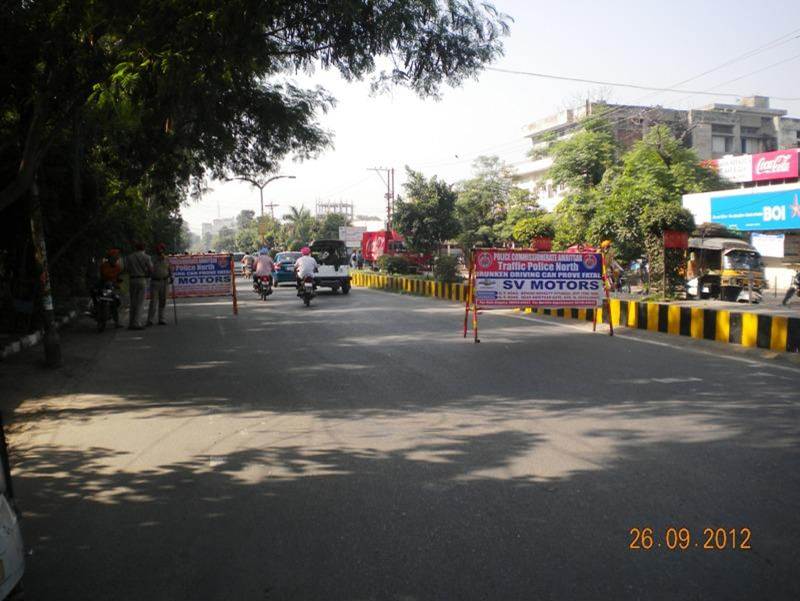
(794, 288)
(304, 267)
(110, 270)
(264, 265)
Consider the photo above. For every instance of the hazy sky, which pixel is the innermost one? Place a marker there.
(646, 42)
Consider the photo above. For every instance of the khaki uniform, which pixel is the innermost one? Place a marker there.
(162, 273)
(139, 267)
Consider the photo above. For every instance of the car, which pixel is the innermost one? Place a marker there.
(238, 265)
(284, 267)
(334, 264)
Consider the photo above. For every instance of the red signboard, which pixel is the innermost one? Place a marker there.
(780, 164)
(545, 244)
(673, 239)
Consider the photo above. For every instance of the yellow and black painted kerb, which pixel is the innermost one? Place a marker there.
(772, 332)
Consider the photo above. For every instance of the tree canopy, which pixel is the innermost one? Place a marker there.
(426, 214)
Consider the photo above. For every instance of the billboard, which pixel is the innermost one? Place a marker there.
(759, 211)
(352, 235)
(522, 278)
(778, 164)
(202, 275)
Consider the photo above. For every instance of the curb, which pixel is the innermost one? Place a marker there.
(35, 338)
(772, 332)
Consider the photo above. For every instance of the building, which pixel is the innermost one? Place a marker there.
(216, 225)
(339, 207)
(712, 132)
(766, 206)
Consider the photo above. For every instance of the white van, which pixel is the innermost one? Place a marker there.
(334, 265)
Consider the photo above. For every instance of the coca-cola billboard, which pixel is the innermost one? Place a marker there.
(779, 164)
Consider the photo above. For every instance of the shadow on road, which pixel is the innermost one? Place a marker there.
(338, 454)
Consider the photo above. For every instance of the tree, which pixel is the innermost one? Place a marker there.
(533, 226)
(521, 205)
(426, 216)
(482, 203)
(244, 219)
(299, 226)
(580, 161)
(657, 171)
(327, 227)
(204, 80)
(248, 240)
(225, 240)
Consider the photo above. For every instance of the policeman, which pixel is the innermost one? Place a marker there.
(139, 267)
(162, 272)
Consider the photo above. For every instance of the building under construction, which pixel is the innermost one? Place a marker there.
(339, 207)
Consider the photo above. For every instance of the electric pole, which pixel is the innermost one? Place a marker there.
(389, 181)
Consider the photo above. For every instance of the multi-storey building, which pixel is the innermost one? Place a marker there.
(713, 132)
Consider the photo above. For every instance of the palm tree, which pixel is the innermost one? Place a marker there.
(300, 223)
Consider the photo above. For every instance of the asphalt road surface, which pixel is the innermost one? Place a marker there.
(362, 450)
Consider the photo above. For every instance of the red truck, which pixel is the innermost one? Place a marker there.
(387, 242)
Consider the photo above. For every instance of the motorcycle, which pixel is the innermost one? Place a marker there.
(107, 304)
(307, 290)
(263, 284)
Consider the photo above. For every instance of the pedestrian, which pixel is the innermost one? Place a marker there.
(360, 260)
(353, 260)
(160, 276)
(793, 288)
(139, 267)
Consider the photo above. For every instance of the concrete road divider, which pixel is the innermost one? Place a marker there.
(777, 333)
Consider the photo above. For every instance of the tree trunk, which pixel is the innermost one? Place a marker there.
(52, 343)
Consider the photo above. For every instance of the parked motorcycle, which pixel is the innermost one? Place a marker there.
(263, 284)
(307, 290)
(107, 304)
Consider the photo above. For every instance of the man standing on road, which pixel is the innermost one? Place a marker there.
(139, 267)
(162, 273)
(793, 288)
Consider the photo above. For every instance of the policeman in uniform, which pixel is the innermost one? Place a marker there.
(139, 267)
(162, 272)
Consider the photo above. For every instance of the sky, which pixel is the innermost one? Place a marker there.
(644, 42)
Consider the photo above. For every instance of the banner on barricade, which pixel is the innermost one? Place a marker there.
(203, 275)
(521, 278)
(502, 278)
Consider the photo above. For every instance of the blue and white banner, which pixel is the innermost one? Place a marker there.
(521, 278)
(759, 211)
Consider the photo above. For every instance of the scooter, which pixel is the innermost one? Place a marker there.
(107, 304)
(264, 286)
(307, 290)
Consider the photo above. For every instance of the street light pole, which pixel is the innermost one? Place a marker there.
(261, 184)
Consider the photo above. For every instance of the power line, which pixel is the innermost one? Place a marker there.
(617, 84)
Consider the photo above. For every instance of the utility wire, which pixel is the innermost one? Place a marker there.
(617, 84)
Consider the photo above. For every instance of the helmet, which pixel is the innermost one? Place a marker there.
(305, 251)
(112, 252)
(264, 251)
(605, 244)
(161, 247)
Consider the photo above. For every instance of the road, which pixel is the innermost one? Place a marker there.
(362, 450)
